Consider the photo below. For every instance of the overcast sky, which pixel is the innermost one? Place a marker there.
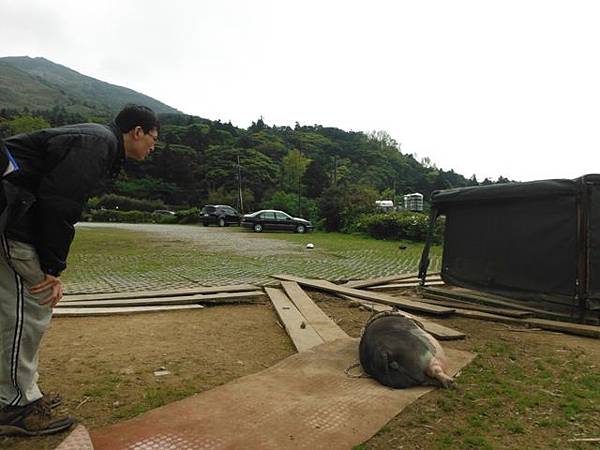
(489, 88)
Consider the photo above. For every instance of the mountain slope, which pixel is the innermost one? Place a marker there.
(37, 83)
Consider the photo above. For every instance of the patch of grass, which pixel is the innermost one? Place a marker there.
(153, 398)
(476, 442)
(514, 426)
(444, 442)
(103, 387)
(552, 423)
(478, 421)
(504, 381)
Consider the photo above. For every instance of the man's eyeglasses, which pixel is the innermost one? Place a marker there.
(154, 137)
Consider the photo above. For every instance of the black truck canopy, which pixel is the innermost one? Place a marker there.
(538, 242)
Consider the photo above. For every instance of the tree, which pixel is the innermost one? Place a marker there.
(23, 124)
(293, 167)
(383, 139)
(315, 179)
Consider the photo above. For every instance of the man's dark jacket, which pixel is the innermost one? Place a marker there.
(58, 170)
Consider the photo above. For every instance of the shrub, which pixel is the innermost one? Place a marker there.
(398, 225)
(340, 206)
(123, 203)
(111, 215)
(191, 215)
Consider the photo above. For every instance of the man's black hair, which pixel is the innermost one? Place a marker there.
(132, 116)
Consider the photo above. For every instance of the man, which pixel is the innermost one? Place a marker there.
(52, 175)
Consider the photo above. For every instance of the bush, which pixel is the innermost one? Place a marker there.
(123, 203)
(191, 215)
(111, 215)
(340, 206)
(398, 225)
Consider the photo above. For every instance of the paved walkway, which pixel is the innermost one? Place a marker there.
(224, 256)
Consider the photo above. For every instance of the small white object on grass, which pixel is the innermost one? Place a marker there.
(309, 245)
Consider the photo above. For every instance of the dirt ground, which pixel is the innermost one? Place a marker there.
(104, 368)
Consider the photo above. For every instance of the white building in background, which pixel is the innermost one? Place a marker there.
(384, 205)
(413, 202)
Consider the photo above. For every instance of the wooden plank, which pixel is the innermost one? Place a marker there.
(491, 301)
(551, 325)
(321, 322)
(163, 293)
(403, 303)
(302, 335)
(359, 284)
(82, 312)
(438, 331)
(469, 314)
(389, 287)
(441, 300)
(567, 327)
(225, 297)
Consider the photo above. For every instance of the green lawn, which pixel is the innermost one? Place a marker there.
(113, 259)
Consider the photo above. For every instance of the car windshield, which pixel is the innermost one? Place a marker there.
(208, 209)
(282, 216)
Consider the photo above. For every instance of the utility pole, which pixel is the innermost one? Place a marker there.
(334, 170)
(239, 176)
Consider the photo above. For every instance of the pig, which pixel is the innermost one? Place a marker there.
(396, 351)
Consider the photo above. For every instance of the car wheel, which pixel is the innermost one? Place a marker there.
(300, 229)
(221, 222)
(205, 224)
(258, 227)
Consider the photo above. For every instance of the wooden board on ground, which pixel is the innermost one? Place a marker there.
(404, 285)
(405, 304)
(551, 325)
(438, 331)
(359, 284)
(91, 311)
(225, 297)
(488, 300)
(302, 334)
(162, 293)
(321, 322)
(567, 327)
(441, 300)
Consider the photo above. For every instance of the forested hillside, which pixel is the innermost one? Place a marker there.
(38, 84)
(323, 173)
(311, 171)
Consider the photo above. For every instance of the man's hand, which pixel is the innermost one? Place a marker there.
(53, 283)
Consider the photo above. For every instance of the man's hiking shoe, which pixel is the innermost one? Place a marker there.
(32, 420)
(52, 399)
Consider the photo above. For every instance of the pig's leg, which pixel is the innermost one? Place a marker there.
(435, 370)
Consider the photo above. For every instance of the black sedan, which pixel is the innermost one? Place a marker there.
(271, 219)
(221, 215)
